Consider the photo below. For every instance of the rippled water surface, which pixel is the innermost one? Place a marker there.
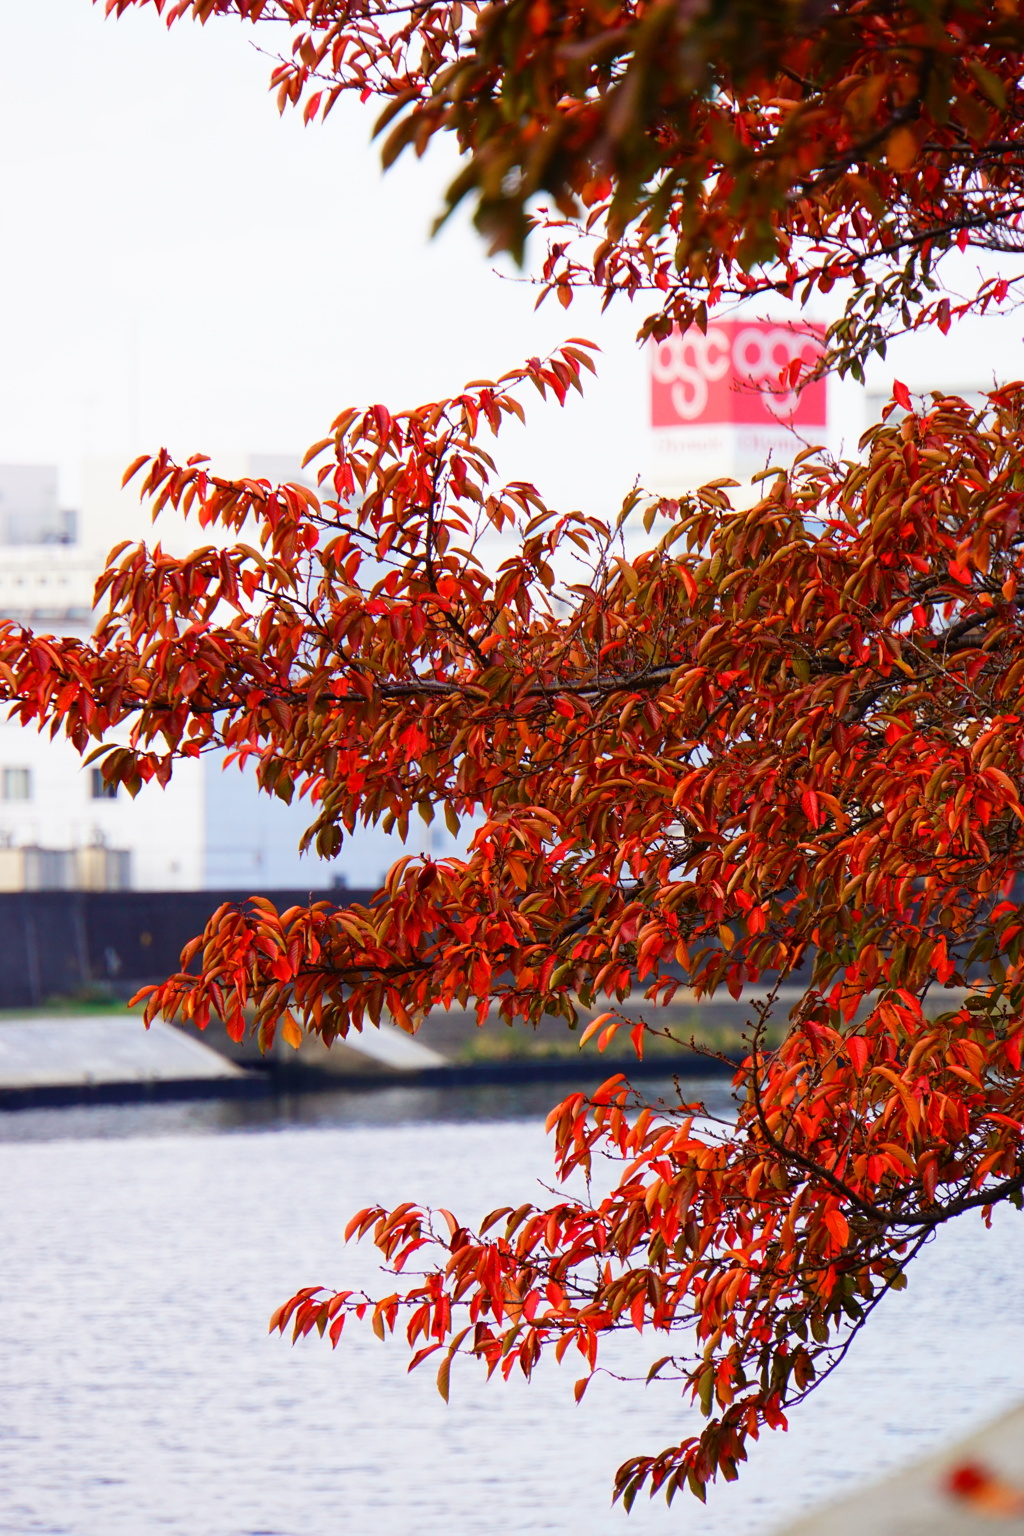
(144, 1249)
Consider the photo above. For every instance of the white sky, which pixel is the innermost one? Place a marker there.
(181, 265)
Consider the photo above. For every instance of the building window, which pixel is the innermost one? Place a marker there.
(101, 789)
(34, 527)
(16, 783)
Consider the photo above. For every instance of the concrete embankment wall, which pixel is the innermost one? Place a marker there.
(64, 944)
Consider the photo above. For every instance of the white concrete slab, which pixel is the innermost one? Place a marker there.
(393, 1048)
(117, 1048)
(918, 1501)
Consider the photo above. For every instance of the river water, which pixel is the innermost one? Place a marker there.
(143, 1249)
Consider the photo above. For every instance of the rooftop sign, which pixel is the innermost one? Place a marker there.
(731, 376)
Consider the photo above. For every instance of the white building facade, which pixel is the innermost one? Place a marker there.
(60, 827)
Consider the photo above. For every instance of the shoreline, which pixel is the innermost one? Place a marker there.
(276, 1081)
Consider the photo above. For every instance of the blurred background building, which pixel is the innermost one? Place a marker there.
(61, 826)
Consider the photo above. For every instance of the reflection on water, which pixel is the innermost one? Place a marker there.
(338, 1107)
(144, 1249)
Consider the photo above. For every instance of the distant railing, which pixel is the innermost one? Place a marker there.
(93, 868)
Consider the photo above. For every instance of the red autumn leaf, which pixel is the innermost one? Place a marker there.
(857, 1050)
(812, 810)
(901, 395)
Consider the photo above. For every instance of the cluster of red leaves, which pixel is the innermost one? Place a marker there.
(769, 1244)
(784, 735)
(700, 150)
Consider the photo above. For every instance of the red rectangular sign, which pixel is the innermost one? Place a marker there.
(734, 374)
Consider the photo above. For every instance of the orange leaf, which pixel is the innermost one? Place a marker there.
(901, 149)
(593, 1027)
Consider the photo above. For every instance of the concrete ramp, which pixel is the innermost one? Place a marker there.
(79, 1051)
(369, 1050)
(974, 1488)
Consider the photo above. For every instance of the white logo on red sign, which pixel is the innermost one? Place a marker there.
(737, 372)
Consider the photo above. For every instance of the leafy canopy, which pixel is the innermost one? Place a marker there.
(782, 737)
(702, 150)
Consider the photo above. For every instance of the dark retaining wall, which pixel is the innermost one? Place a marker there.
(66, 944)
